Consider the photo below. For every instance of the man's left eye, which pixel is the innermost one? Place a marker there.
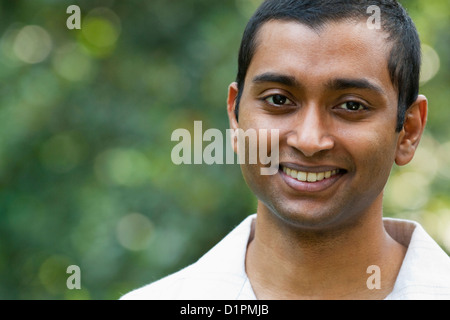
(278, 100)
(352, 106)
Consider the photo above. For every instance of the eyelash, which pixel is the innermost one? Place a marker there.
(362, 106)
(265, 99)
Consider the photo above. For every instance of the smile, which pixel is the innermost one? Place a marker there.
(310, 176)
(313, 180)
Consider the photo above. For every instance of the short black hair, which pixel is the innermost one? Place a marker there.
(404, 58)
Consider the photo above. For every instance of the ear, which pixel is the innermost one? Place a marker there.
(409, 137)
(231, 106)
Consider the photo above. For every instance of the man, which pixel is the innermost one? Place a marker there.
(343, 96)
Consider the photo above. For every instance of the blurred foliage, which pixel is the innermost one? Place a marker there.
(86, 118)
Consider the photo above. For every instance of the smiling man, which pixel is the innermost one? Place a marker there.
(344, 99)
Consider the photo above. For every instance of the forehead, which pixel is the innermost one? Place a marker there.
(338, 49)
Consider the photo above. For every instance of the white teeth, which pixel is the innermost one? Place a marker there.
(302, 176)
(309, 176)
(312, 177)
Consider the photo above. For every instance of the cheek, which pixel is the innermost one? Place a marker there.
(257, 183)
(267, 135)
(373, 153)
(260, 155)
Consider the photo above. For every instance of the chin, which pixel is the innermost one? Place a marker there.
(305, 218)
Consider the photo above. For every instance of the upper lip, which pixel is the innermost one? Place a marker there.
(309, 168)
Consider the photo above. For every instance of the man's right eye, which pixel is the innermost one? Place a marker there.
(278, 100)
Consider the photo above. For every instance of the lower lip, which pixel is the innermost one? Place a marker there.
(304, 186)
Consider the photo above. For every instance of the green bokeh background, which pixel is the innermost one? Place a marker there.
(86, 118)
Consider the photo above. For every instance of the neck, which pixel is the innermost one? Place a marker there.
(330, 264)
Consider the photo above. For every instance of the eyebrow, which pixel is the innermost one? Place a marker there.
(286, 80)
(338, 84)
(344, 84)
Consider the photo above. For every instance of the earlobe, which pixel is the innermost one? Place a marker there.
(231, 105)
(409, 137)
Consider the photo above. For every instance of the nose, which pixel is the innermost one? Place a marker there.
(310, 133)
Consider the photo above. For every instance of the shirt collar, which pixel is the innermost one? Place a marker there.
(424, 274)
(425, 271)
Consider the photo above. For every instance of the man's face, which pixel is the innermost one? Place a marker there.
(329, 94)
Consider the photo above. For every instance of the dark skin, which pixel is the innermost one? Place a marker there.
(329, 94)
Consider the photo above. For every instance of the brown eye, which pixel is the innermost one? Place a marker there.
(278, 100)
(352, 106)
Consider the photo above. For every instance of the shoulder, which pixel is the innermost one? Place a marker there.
(219, 274)
(425, 272)
(168, 287)
(189, 284)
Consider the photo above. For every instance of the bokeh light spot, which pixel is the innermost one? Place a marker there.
(32, 44)
(126, 167)
(53, 275)
(100, 30)
(430, 63)
(407, 191)
(134, 231)
(72, 64)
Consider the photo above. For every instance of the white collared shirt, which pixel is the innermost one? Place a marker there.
(220, 273)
